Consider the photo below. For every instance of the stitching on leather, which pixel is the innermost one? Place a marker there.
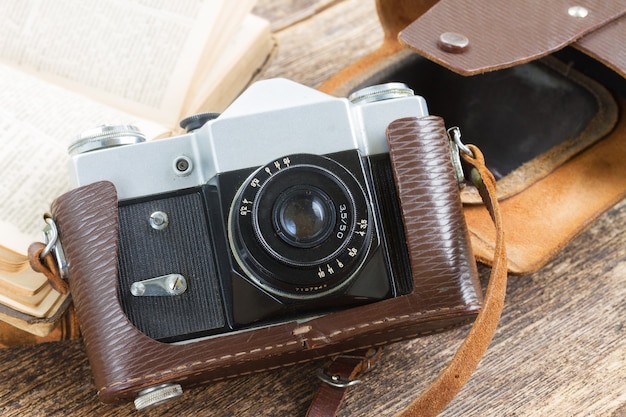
(271, 347)
(303, 361)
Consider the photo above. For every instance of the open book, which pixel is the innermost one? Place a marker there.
(66, 67)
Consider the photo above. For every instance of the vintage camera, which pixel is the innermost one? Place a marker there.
(282, 207)
(265, 236)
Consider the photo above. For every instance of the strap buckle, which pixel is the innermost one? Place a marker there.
(346, 370)
(336, 380)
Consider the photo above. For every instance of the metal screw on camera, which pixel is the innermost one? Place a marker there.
(182, 165)
(159, 220)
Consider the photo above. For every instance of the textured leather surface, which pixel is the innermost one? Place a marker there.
(504, 35)
(607, 46)
(124, 361)
(500, 35)
(421, 155)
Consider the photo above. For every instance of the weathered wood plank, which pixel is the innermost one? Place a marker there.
(312, 51)
(285, 13)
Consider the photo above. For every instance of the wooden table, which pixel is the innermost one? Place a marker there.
(560, 349)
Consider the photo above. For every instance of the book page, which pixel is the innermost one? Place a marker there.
(236, 68)
(137, 55)
(38, 121)
(230, 26)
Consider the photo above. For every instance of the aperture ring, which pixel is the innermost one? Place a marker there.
(289, 270)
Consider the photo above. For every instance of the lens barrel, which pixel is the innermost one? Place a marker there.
(300, 226)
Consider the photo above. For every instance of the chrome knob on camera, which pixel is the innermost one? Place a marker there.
(159, 220)
(157, 395)
(380, 92)
(106, 136)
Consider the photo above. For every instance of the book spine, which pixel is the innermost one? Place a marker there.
(66, 328)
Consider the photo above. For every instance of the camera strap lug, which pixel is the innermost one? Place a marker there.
(48, 258)
(457, 147)
(54, 246)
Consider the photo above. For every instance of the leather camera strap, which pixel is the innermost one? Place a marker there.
(46, 265)
(402, 135)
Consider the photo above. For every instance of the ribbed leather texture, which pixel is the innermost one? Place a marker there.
(436, 232)
(124, 361)
(87, 222)
(607, 45)
(502, 35)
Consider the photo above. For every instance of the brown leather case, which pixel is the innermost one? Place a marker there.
(555, 205)
(124, 361)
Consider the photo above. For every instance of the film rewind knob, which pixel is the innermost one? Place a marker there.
(106, 136)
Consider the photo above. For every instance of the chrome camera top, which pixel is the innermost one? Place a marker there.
(272, 118)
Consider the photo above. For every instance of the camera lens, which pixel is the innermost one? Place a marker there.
(301, 226)
(295, 213)
(304, 216)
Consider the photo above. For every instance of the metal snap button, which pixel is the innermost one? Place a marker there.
(453, 42)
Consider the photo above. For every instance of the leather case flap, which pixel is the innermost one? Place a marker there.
(501, 35)
(605, 46)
